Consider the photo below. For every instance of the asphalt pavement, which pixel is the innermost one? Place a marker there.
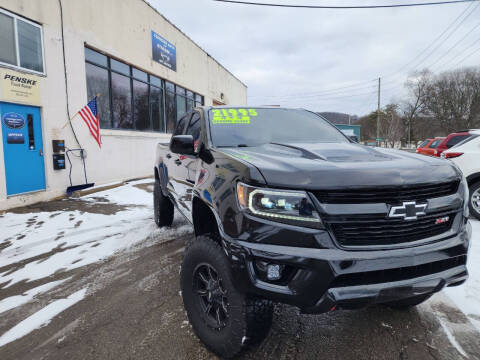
(133, 310)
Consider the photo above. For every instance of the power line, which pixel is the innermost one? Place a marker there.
(450, 34)
(361, 85)
(346, 7)
(314, 94)
(356, 86)
(444, 65)
(466, 57)
(455, 45)
(431, 44)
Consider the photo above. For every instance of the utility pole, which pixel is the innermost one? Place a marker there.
(378, 112)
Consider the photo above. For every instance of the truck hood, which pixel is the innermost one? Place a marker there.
(340, 166)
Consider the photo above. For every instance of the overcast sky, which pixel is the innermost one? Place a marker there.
(305, 58)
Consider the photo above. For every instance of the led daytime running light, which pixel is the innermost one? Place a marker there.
(278, 216)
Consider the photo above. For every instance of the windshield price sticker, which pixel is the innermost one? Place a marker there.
(233, 116)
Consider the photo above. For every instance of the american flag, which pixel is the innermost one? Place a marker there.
(89, 114)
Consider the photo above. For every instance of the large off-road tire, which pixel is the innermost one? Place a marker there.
(408, 302)
(162, 207)
(474, 200)
(224, 319)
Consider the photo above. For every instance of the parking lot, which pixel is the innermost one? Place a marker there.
(93, 278)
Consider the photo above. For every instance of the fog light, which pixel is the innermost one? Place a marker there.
(274, 272)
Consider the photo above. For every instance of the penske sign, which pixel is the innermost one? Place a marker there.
(19, 88)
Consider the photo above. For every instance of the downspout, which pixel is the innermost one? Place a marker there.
(65, 73)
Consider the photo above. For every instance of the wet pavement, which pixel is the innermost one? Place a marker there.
(133, 310)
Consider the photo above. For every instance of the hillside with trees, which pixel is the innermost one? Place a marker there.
(435, 105)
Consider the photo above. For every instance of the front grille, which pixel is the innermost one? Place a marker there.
(378, 232)
(398, 274)
(386, 194)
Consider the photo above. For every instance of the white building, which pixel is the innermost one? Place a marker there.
(56, 55)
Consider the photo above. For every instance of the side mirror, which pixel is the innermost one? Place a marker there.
(182, 144)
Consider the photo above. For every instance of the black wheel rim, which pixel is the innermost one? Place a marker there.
(211, 296)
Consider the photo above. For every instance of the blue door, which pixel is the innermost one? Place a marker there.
(22, 148)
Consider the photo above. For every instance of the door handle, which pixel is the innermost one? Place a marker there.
(178, 162)
(169, 156)
(40, 152)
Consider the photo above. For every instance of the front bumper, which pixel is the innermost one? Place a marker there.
(322, 279)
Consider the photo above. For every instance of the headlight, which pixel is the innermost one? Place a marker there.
(291, 207)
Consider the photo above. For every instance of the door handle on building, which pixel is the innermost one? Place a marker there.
(40, 152)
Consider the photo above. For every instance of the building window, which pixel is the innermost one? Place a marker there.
(157, 114)
(133, 99)
(140, 104)
(21, 43)
(171, 108)
(98, 83)
(121, 102)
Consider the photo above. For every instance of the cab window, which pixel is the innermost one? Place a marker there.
(181, 124)
(194, 129)
(455, 140)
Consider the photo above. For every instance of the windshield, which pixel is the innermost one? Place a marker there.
(435, 144)
(258, 126)
(423, 144)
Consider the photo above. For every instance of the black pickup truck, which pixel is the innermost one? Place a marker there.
(287, 209)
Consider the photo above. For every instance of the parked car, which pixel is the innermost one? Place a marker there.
(466, 155)
(286, 208)
(452, 140)
(429, 148)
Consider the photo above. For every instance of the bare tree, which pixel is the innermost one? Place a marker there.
(453, 99)
(417, 85)
(392, 129)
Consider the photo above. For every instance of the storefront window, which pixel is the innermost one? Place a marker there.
(171, 113)
(181, 106)
(156, 109)
(140, 105)
(95, 57)
(131, 98)
(189, 105)
(98, 83)
(22, 37)
(121, 102)
(120, 67)
(140, 75)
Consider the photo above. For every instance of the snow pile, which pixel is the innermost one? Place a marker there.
(467, 296)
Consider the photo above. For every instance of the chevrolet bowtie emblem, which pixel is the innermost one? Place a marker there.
(409, 210)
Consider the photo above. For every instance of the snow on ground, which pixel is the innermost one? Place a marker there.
(17, 300)
(72, 234)
(41, 317)
(65, 240)
(467, 296)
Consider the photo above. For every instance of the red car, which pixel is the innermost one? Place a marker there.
(451, 140)
(428, 146)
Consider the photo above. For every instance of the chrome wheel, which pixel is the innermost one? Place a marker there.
(211, 296)
(475, 199)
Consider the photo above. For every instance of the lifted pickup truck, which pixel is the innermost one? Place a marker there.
(288, 209)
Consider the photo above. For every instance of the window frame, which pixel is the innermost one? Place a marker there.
(164, 90)
(17, 49)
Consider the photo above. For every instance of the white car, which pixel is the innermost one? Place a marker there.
(466, 155)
